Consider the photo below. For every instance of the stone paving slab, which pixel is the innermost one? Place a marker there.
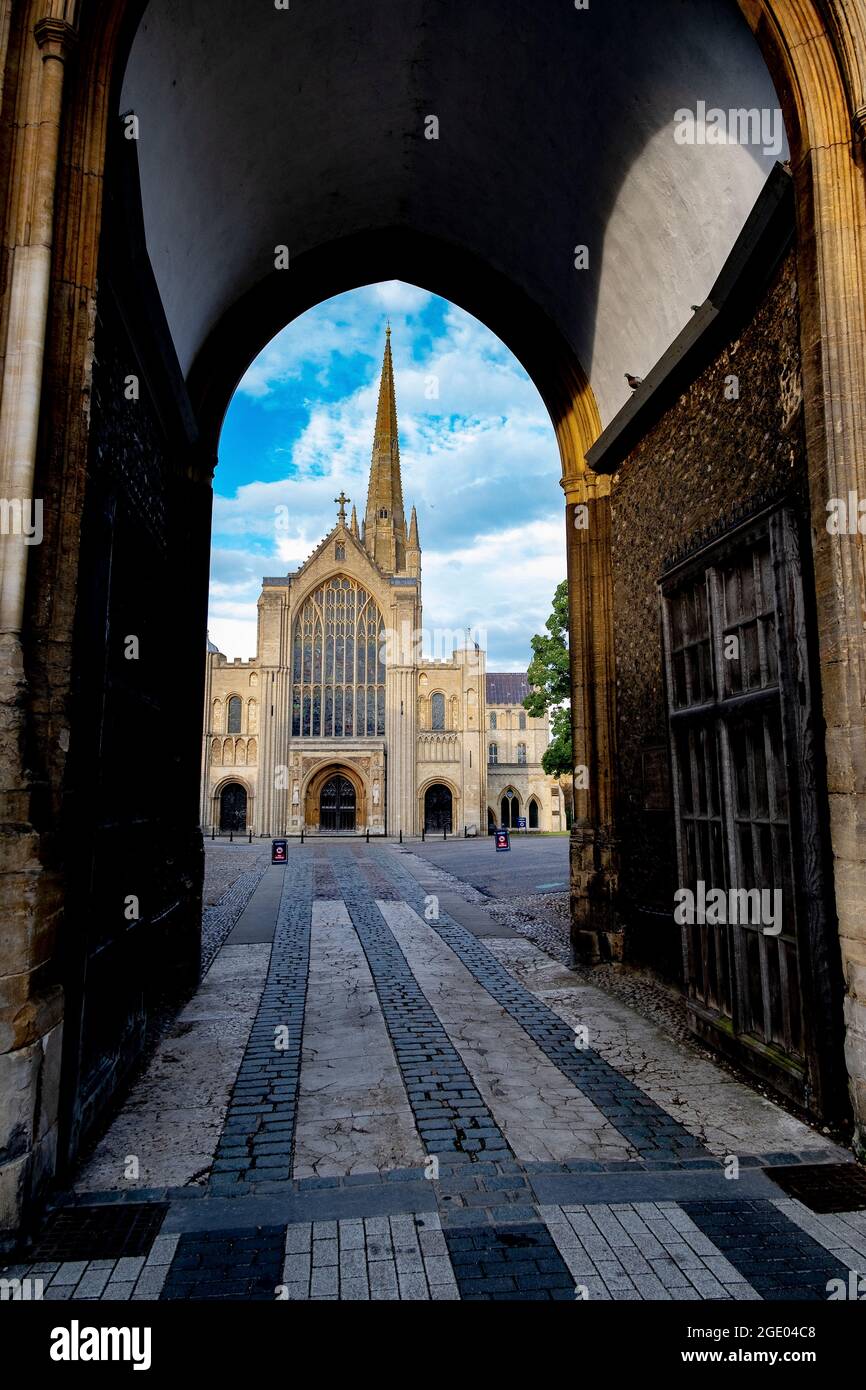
(353, 1113)
(540, 1112)
(171, 1122)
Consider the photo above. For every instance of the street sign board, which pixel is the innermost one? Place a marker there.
(280, 852)
(521, 822)
(503, 841)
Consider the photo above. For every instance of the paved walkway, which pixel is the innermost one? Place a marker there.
(374, 1095)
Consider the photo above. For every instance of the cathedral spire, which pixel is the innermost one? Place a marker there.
(385, 521)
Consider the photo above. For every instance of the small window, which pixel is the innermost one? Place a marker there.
(437, 712)
(493, 721)
(383, 514)
(340, 552)
(521, 752)
(493, 753)
(235, 715)
(521, 721)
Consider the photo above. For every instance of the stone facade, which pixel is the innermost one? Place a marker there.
(421, 756)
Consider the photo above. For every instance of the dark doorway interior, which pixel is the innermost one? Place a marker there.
(533, 815)
(438, 809)
(337, 805)
(233, 808)
(510, 812)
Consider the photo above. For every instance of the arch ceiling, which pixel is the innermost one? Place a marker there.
(262, 127)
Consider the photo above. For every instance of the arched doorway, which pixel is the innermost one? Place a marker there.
(491, 821)
(510, 811)
(438, 809)
(233, 807)
(337, 804)
(533, 814)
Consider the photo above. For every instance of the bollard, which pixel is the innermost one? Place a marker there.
(302, 836)
(213, 832)
(231, 837)
(251, 837)
(424, 834)
(368, 834)
(444, 834)
(401, 837)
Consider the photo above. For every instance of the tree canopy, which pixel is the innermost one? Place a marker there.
(550, 685)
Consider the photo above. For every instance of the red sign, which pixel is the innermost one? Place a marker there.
(280, 852)
(503, 841)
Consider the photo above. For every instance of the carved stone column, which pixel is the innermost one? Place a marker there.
(593, 847)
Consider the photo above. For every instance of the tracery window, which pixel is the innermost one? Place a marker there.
(521, 721)
(521, 752)
(493, 721)
(493, 753)
(338, 665)
(437, 712)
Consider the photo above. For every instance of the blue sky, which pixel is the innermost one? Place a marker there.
(479, 459)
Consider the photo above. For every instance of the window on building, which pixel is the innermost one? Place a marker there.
(493, 753)
(493, 721)
(521, 752)
(383, 513)
(730, 629)
(340, 551)
(236, 714)
(521, 721)
(338, 666)
(437, 712)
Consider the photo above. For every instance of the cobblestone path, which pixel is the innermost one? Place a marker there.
(377, 1100)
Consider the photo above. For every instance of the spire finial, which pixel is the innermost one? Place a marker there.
(341, 501)
(388, 329)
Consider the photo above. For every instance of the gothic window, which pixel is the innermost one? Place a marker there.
(493, 753)
(521, 752)
(521, 721)
(437, 712)
(338, 664)
(493, 721)
(383, 513)
(236, 710)
(340, 552)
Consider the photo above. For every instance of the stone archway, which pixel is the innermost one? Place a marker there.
(817, 54)
(338, 790)
(438, 809)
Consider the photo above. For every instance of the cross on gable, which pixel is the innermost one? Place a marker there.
(342, 500)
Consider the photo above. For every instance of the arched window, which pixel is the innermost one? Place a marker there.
(533, 815)
(340, 551)
(236, 714)
(521, 752)
(493, 753)
(521, 721)
(437, 712)
(493, 721)
(338, 664)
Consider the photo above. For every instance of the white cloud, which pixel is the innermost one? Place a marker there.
(479, 459)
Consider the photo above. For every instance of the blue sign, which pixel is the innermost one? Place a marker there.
(521, 822)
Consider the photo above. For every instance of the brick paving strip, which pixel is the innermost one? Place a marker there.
(257, 1139)
(779, 1258)
(650, 1129)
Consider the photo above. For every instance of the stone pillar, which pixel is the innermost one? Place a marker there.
(593, 847)
(31, 1010)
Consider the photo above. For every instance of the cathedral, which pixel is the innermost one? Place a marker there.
(339, 723)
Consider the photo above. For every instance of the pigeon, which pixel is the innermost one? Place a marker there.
(633, 381)
(696, 308)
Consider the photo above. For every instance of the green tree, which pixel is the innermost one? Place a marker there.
(550, 686)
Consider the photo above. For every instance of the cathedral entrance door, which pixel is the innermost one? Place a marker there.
(233, 808)
(437, 809)
(337, 805)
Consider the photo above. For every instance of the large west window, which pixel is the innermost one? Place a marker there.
(338, 666)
